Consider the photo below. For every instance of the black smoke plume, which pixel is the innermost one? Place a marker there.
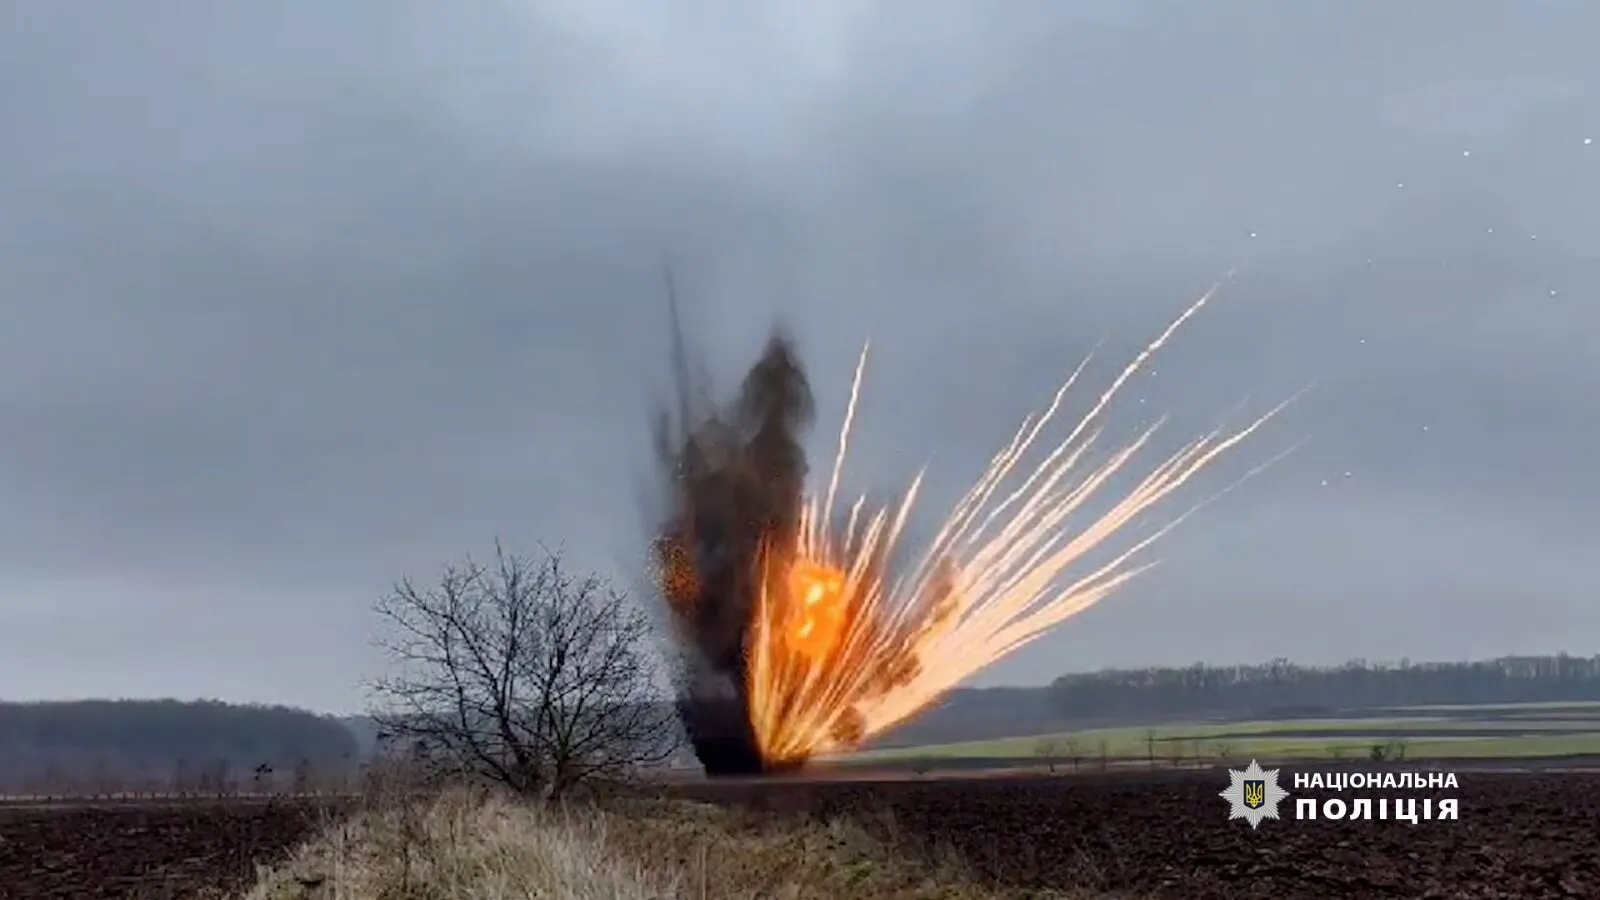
(734, 474)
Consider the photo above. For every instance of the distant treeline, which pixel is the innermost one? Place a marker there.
(208, 743)
(1276, 689)
(1280, 687)
(159, 740)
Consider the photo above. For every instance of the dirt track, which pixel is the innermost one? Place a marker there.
(1519, 836)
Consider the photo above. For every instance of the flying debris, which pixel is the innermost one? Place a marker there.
(802, 633)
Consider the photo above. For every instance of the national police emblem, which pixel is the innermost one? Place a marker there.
(1253, 794)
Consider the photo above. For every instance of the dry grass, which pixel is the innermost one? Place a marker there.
(719, 854)
(459, 845)
(463, 845)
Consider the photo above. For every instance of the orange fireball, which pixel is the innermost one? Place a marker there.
(816, 609)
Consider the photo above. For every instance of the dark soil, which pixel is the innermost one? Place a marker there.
(1519, 836)
(1522, 836)
(146, 850)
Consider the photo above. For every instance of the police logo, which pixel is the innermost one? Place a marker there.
(1255, 793)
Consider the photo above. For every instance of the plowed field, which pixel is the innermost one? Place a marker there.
(1522, 836)
(1518, 836)
(145, 850)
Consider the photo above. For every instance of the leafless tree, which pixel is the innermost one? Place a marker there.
(181, 784)
(1047, 750)
(304, 775)
(1074, 752)
(216, 777)
(523, 672)
(103, 779)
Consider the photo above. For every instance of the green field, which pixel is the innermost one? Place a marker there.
(1487, 731)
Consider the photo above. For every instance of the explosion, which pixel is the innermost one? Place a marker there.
(800, 636)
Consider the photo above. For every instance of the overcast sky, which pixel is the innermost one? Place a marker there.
(303, 297)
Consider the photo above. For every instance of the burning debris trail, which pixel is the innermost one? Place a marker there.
(799, 638)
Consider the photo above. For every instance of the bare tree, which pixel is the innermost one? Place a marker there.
(524, 673)
(1047, 750)
(103, 778)
(213, 778)
(1074, 752)
(304, 774)
(183, 777)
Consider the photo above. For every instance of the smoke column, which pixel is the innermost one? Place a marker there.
(734, 475)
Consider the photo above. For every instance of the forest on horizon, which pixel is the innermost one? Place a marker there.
(159, 741)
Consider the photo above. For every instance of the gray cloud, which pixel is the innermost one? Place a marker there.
(301, 299)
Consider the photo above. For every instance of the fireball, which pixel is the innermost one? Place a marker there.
(815, 607)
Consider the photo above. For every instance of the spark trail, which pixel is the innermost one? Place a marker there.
(839, 650)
